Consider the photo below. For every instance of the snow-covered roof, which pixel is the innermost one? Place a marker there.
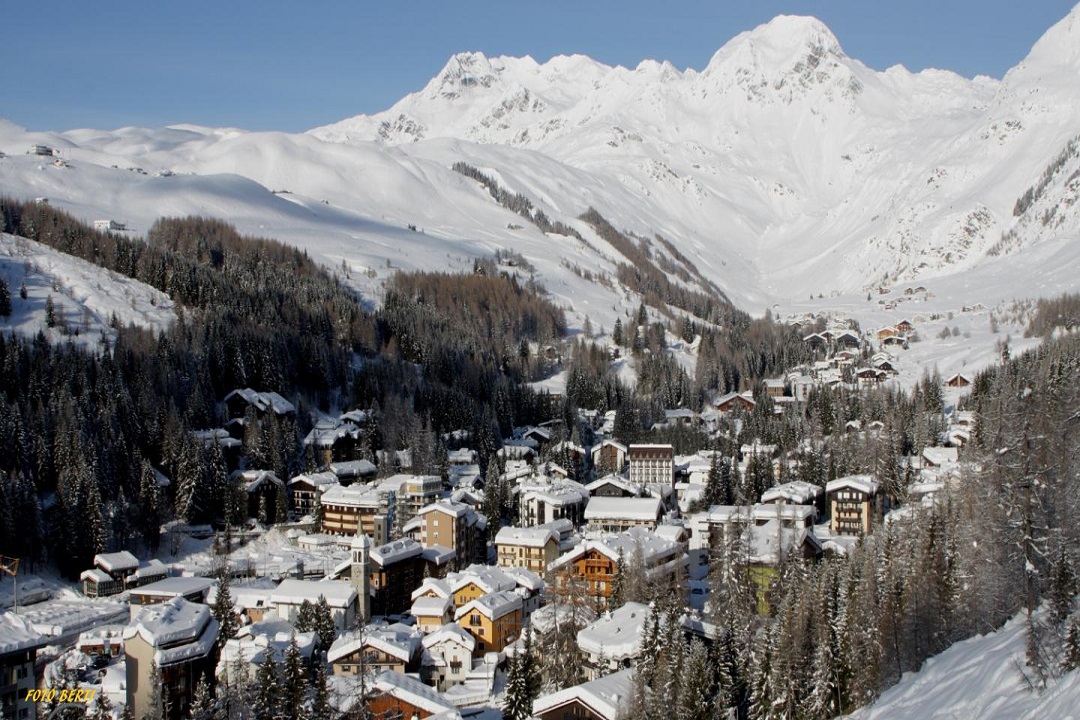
(328, 432)
(525, 537)
(449, 507)
(438, 554)
(18, 634)
(319, 480)
(860, 483)
(796, 492)
(616, 635)
(178, 629)
(623, 508)
(771, 542)
(451, 632)
(940, 455)
(489, 578)
(264, 401)
(176, 586)
(357, 496)
(153, 568)
(116, 561)
(438, 586)
(493, 605)
(607, 696)
(412, 691)
(654, 549)
(353, 468)
(293, 592)
(395, 551)
(398, 641)
(428, 606)
(255, 643)
(526, 579)
(96, 575)
(254, 479)
(617, 480)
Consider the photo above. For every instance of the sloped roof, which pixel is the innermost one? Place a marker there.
(607, 696)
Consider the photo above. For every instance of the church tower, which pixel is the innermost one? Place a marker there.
(361, 570)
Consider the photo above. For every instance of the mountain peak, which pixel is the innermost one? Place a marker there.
(1060, 45)
(778, 43)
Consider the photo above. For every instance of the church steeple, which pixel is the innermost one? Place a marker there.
(361, 570)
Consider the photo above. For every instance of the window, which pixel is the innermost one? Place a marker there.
(474, 620)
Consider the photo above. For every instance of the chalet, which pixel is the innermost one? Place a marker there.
(770, 545)
(801, 386)
(958, 381)
(570, 454)
(238, 401)
(774, 387)
(168, 648)
(681, 416)
(904, 327)
(231, 448)
(606, 698)
(398, 696)
(614, 641)
(331, 440)
(887, 332)
(594, 562)
(448, 651)
(19, 643)
(376, 648)
(936, 457)
(651, 464)
(896, 341)
(108, 226)
(264, 493)
(609, 456)
(533, 548)
(816, 341)
(540, 435)
(870, 376)
(494, 620)
(733, 401)
(847, 340)
(617, 514)
(855, 504)
(305, 491)
(255, 644)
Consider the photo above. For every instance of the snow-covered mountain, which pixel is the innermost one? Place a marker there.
(782, 169)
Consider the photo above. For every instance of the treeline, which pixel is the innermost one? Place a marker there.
(1060, 313)
(516, 202)
(84, 431)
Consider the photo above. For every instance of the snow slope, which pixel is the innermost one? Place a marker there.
(85, 298)
(977, 678)
(784, 169)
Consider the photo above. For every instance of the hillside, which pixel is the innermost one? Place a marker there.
(977, 678)
(784, 169)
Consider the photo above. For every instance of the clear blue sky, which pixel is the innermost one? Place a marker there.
(270, 65)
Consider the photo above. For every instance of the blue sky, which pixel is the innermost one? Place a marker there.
(270, 65)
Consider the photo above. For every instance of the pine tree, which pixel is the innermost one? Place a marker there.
(103, 707)
(203, 704)
(1071, 660)
(320, 701)
(293, 680)
(324, 624)
(225, 609)
(266, 704)
(516, 705)
(1062, 586)
(50, 312)
(695, 685)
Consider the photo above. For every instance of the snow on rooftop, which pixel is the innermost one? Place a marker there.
(412, 691)
(180, 630)
(18, 634)
(536, 537)
(489, 578)
(397, 640)
(450, 632)
(861, 483)
(623, 508)
(396, 551)
(294, 592)
(175, 586)
(797, 492)
(493, 605)
(616, 635)
(438, 586)
(427, 606)
(320, 480)
(608, 696)
(116, 561)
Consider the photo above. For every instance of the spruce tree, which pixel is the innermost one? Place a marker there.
(516, 705)
(266, 703)
(320, 701)
(203, 704)
(695, 685)
(324, 624)
(294, 680)
(225, 609)
(1071, 660)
